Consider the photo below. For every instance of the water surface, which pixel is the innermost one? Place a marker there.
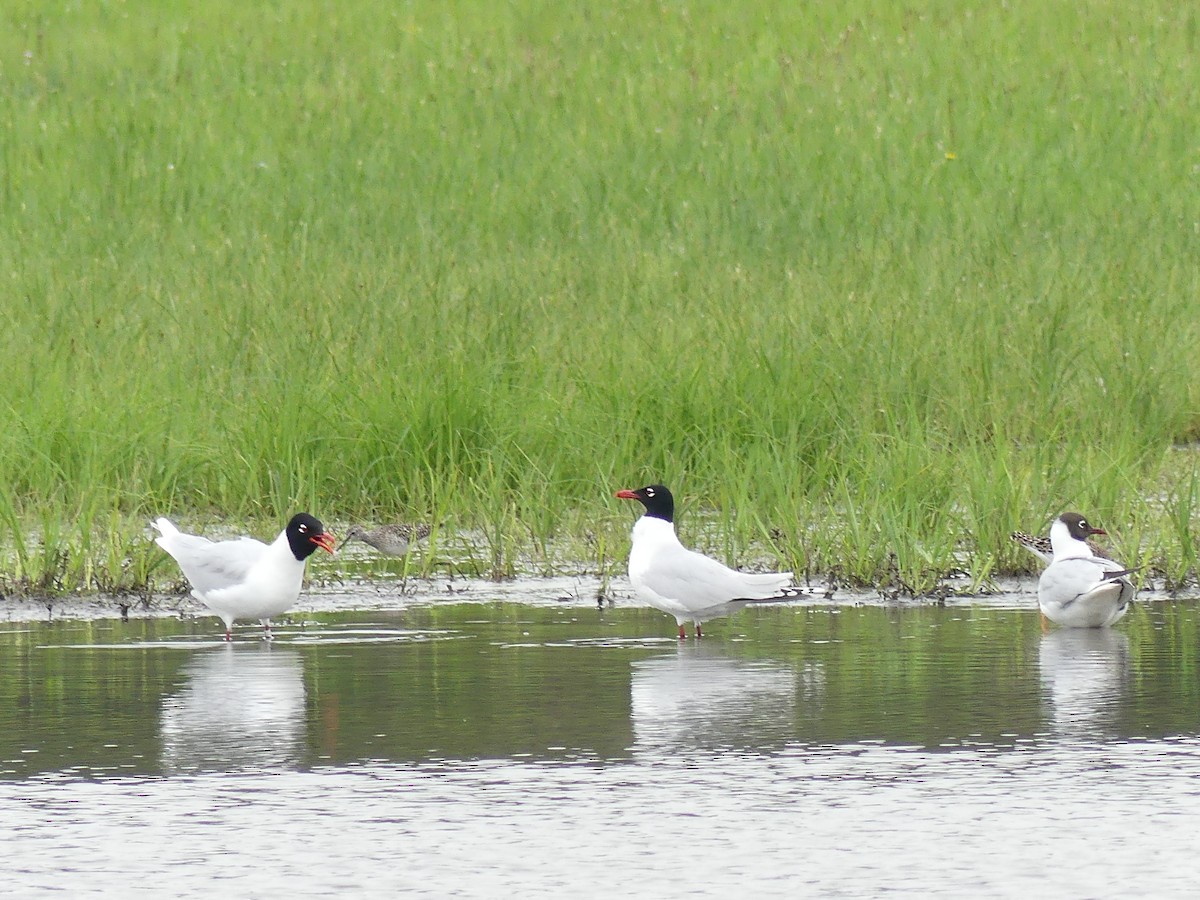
(550, 746)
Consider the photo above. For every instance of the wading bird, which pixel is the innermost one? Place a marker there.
(245, 578)
(1042, 549)
(1078, 588)
(390, 540)
(683, 583)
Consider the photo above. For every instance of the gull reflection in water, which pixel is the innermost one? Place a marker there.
(1085, 673)
(239, 708)
(700, 698)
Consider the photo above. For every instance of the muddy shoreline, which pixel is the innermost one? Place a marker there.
(573, 591)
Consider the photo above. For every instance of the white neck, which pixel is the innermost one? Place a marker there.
(1065, 546)
(281, 549)
(651, 529)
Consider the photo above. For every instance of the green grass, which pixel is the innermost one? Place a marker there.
(872, 284)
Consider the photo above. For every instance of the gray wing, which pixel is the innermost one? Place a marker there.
(213, 565)
(699, 582)
(1067, 580)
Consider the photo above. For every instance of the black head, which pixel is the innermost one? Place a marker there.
(1078, 526)
(305, 534)
(656, 498)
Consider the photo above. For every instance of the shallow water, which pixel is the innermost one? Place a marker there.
(538, 747)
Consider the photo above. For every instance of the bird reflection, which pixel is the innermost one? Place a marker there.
(698, 697)
(240, 708)
(1085, 673)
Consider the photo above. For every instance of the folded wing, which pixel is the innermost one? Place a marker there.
(698, 582)
(210, 565)
(1069, 581)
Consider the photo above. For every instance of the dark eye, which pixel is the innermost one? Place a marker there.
(1083, 523)
(304, 528)
(649, 492)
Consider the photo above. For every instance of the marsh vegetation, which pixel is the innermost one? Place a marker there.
(868, 285)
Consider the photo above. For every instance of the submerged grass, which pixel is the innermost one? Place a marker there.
(876, 283)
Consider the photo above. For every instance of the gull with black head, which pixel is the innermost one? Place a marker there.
(686, 584)
(1078, 588)
(245, 578)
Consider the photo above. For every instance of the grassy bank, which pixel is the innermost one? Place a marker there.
(872, 286)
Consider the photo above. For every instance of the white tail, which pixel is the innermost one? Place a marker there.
(165, 528)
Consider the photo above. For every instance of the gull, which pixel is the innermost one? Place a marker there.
(245, 578)
(390, 540)
(683, 583)
(1078, 588)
